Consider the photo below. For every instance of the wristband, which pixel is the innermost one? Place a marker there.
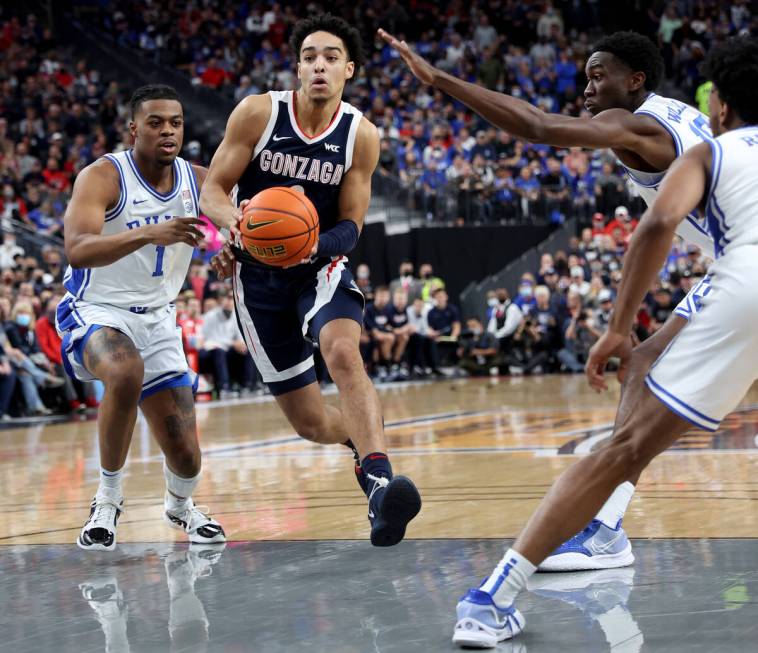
(340, 239)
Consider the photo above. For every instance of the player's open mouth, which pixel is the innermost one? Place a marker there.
(167, 147)
(319, 83)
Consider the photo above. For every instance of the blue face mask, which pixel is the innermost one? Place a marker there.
(23, 320)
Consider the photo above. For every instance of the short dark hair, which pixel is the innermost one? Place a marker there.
(637, 52)
(732, 66)
(152, 92)
(334, 25)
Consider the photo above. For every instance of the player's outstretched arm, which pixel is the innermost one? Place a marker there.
(244, 129)
(615, 128)
(96, 188)
(683, 190)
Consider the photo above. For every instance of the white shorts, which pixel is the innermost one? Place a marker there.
(709, 367)
(154, 333)
(693, 302)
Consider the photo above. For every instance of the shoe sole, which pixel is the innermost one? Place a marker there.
(581, 562)
(471, 638)
(400, 504)
(94, 547)
(218, 539)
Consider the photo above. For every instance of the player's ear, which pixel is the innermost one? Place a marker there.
(133, 128)
(349, 70)
(298, 70)
(637, 81)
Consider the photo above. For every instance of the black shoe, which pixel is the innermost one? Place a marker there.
(398, 503)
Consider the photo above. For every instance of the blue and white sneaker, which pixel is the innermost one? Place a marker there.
(482, 623)
(596, 547)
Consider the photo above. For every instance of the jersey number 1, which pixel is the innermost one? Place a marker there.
(159, 250)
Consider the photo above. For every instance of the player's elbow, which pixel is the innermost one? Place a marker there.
(76, 258)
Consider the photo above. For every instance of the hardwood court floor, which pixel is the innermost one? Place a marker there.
(482, 452)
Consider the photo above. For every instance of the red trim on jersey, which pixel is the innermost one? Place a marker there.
(299, 126)
(331, 267)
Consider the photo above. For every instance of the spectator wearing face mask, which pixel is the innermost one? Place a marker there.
(406, 282)
(34, 371)
(479, 351)
(578, 282)
(525, 300)
(605, 308)
(397, 311)
(224, 354)
(444, 321)
(505, 319)
(422, 351)
(363, 281)
(377, 321)
(428, 281)
(579, 335)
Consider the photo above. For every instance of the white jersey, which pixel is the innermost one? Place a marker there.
(732, 205)
(688, 127)
(152, 276)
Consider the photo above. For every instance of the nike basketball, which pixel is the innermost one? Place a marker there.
(279, 226)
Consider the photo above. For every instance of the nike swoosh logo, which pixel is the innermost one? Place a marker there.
(138, 201)
(281, 138)
(252, 226)
(602, 548)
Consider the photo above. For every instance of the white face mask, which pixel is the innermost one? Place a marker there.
(492, 302)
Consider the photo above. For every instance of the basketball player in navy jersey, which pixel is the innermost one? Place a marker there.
(131, 227)
(647, 132)
(312, 141)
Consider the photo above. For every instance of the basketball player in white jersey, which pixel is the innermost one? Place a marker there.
(647, 133)
(131, 227)
(681, 389)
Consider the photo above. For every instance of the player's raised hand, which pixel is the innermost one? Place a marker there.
(176, 230)
(223, 262)
(419, 67)
(609, 345)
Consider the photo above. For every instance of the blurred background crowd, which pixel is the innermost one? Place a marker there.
(59, 112)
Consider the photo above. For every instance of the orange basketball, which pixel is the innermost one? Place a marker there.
(279, 226)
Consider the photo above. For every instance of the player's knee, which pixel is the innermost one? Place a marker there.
(124, 377)
(185, 460)
(311, 428)
(342, 357)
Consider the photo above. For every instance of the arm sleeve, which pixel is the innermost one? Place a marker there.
(340, 239)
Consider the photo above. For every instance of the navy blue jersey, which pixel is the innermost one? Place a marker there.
(285, 156)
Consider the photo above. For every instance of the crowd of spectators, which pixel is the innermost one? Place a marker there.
(558, 311)
(58, 113)
(448, 164)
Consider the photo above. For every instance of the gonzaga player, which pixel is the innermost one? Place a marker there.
(310, 140)
(682, 389)
(647, 133)
(130, 232)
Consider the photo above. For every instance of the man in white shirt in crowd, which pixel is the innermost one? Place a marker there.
(224, 353)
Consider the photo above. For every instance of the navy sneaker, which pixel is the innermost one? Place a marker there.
(392, 503)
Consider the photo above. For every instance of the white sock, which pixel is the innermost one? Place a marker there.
(615, 508)
(110, 484)
(179, 489)
(509, 578)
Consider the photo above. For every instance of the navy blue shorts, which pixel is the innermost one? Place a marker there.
(282, 312)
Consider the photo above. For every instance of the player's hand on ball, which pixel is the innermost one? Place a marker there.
(223, 262)
(609, 345)
(176, 230)
(419, 67)
(307, 259)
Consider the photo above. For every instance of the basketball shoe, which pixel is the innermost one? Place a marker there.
(200, 528)
(482, 624)
(188, 622)
(99, 532)
(596, 547)
(107, 601)
(392, 503)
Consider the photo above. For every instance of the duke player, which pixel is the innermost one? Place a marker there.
(681, 389)
(647, 133)
(130, 232)
(309, 139)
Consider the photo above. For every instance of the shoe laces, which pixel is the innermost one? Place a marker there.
(105, 509)
(192, 515)
(380, 482)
